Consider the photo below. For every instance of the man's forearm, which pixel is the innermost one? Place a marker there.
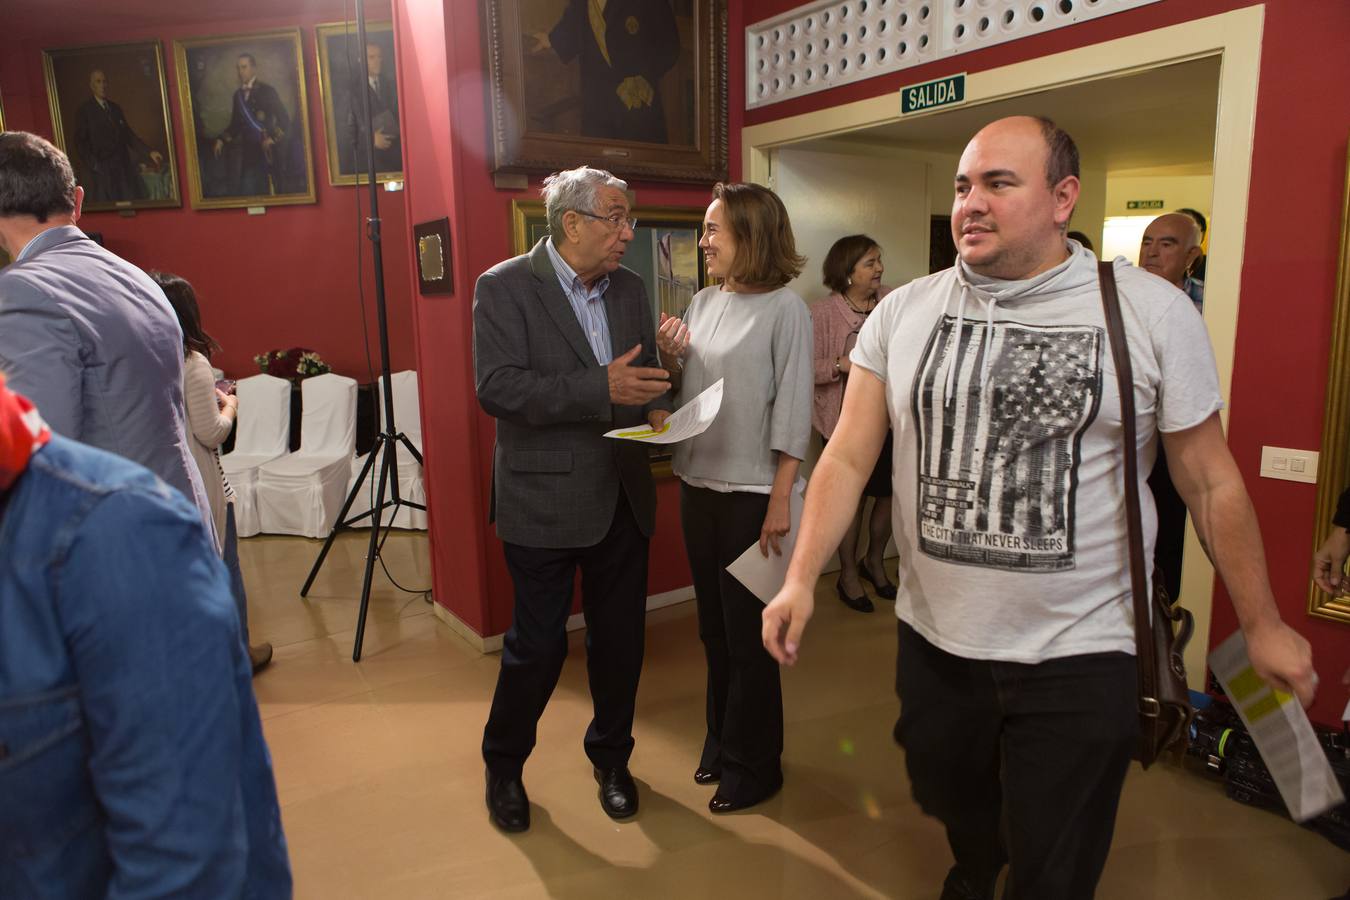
(831, 502)
(1226, 522)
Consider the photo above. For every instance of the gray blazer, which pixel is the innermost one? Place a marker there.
(93, 342)
(555, 477)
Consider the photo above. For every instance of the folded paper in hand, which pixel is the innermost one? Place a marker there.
(688, 421)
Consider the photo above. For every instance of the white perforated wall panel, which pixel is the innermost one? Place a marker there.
(824, 44)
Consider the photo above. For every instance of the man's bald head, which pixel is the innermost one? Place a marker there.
(98, 83)
(1171, 245)
(1016, 186)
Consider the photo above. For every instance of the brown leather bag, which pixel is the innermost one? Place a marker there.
(1164, 703)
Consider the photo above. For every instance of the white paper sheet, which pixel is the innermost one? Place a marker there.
(1282, 733)
(688, 421)
(764, 577)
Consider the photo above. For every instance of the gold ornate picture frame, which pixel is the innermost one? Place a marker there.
(110, 114)
(336, 48)
(245, 147)
(1333, 468)
(641, 87)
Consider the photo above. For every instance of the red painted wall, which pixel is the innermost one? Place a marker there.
(1288, 277)
(283, 279)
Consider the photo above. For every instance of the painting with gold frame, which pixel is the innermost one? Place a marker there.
(639, 85)
(346, 137)
(1333, 469)
(110, 114)
(245, 119)
(664, 251)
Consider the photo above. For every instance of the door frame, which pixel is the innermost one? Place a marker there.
(1233, 36)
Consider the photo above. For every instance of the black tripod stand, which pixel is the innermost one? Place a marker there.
(385, 450)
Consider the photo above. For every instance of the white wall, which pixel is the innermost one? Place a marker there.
(829, 195)
(1175, 191)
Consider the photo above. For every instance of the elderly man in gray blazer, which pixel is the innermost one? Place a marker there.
(85, 335)
(564, 350)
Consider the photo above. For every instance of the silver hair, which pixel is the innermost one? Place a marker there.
(576, 189)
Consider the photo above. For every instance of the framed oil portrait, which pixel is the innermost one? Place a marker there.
(640, 89)
(245, 119)
(1333, 470)
(664, 251)
(346, 131)
(110, 114)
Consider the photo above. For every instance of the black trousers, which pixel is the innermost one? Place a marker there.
(745, 699)
(1023, 764)
(614, 602)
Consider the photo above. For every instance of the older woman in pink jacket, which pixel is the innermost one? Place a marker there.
(852, 271)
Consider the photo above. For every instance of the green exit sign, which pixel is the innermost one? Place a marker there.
(1143, 204)
(947, 91)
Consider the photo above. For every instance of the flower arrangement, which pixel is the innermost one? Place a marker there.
(294, 364)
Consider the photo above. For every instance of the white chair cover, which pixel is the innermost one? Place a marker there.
(302, 492)
(408, 417)
(262, 434)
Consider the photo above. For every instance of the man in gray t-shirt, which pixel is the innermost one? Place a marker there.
(1016, 670)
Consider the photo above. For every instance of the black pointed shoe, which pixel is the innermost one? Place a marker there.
(885, 589)
(618, 793)
(706, 776)
(723, 804)
(508, 806)
(861, 604)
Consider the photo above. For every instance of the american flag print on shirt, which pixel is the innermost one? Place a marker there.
(998, 462)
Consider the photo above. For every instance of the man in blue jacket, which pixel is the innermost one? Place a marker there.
(132, 761)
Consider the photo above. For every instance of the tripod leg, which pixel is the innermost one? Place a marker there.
(380, 441)
(386, 463)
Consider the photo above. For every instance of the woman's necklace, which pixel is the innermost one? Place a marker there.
(861, 312)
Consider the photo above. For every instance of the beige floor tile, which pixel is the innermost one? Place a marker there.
(381, 780)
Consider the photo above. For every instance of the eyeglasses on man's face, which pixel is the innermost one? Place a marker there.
(616, 221)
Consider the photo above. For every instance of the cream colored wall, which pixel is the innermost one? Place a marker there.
(829, 195)
(1090, 212)
(1195, 191)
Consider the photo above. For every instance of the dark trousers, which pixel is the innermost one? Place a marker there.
(1022, 763)
(614, 602)
(745, 699)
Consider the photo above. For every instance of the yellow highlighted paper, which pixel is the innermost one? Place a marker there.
(1245, 684)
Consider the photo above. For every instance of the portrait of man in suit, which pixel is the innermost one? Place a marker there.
(345, 89)
(620, 51)
(110, 115)
(249, 139)
(256, 136)
(111, 154)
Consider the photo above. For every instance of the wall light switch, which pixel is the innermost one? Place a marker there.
(1290, 465)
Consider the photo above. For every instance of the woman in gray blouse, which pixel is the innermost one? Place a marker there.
(755, 335)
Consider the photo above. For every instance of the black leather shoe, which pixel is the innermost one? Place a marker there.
(885, 589)
(618, 793)
(508, 806)
(861, 604)
(721, 804)
(706, 776)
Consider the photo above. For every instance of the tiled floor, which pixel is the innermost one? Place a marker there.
(381, 782)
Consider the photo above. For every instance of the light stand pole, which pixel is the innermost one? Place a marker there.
(385, 449)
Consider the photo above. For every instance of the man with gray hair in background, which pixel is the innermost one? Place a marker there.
(564, 350)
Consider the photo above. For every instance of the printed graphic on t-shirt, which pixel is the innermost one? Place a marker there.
(998, 463)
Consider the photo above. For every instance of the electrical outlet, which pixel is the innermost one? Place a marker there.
(1290, 465)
